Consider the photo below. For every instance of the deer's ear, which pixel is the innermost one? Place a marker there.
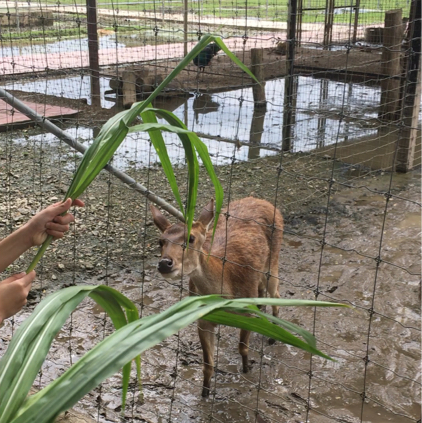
(159, 220)
(207, 214)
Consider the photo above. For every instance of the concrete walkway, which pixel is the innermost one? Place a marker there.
(10, 117)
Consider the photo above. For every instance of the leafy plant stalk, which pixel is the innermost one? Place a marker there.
(115, 130)
(29, 346)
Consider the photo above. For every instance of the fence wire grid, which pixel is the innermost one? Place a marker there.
(342, 99)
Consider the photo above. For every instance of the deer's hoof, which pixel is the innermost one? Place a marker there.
(205, 392)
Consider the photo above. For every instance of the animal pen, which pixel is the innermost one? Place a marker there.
(331, 137)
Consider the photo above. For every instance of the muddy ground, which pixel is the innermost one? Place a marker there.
(114, 243)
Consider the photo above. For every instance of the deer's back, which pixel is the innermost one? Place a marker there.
(247, 236)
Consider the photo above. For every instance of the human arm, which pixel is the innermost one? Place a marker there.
(47, 222)
(13, 293)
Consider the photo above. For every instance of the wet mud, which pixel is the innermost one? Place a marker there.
(363, 251)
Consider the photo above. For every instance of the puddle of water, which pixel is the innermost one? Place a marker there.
(318, 104)
(365, 200)
(135, 149)
(79, 44)
(412, 220)
(334, 276)
(230, 116)
(295, 244)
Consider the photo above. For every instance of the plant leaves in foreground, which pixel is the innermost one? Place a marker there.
(29, 346)
(110, 355)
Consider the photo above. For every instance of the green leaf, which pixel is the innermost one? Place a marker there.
(160, 147)
(220, 42)
(262, 326)
(203, 153)
(19, 367)
(115, 130)
(132, 339)
(193, 167)
(112, 304)
(29, 346)
(151, 125)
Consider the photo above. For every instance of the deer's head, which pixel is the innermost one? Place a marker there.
(180, 255)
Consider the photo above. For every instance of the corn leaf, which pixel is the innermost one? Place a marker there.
(186, 137)
(96, 157)
(112, 302)
(115, 130)
(130, 340)
(160, 147)
(223, 47)
(202, 151)
(27, 351)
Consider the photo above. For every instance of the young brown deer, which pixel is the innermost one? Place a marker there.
(248, 236)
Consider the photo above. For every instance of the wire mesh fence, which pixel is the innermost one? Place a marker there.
(340, 117)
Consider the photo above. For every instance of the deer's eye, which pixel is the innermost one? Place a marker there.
(191, 239)
(161, 243)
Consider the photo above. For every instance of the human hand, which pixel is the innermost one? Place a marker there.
(13, 293)
(50, 222)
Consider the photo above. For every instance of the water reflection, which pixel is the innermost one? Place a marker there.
(322, 121)
(325, 112)
(320, 106)
(203, 104)
(257, 129)
(135, 150)
(61, 46)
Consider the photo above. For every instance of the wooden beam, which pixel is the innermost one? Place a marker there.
(411, 93)
(390, 66)
(94, 62)
(257, 68)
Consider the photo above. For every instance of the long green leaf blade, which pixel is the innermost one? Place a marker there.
(160, 147)
(192, 161)
(112, 302)
(113, 352)
(20, 365)
(220, 42)
(203, 153)
(21, 381)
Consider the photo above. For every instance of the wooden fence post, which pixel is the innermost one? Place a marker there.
(390, 66)
(411, 94)
(255, 135)
(290, 81)
(94, 64)
(257, 68)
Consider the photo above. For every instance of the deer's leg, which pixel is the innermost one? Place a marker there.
(244, 348)
(273, 284)
(272, 287)
(207, 338)
(261, 293)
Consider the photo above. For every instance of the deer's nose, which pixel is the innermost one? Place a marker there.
(165, 265)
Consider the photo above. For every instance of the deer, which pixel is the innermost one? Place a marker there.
(241, 262)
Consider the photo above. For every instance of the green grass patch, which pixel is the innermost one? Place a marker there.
(372, 11)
